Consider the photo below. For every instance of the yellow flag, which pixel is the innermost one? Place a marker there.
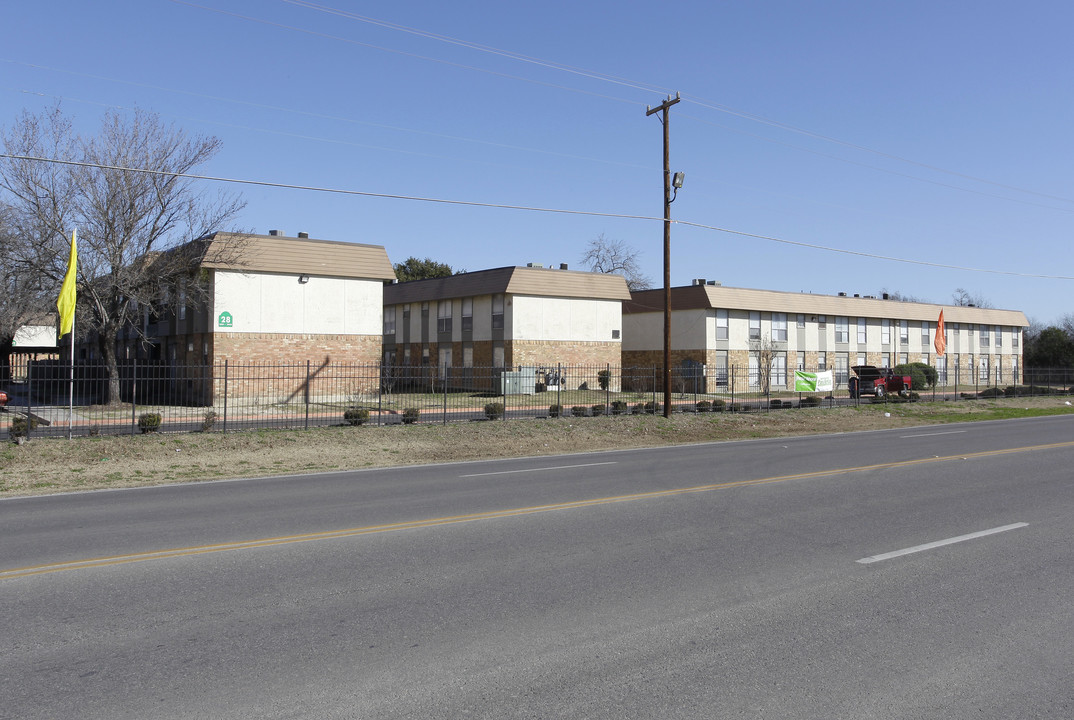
(65, 303)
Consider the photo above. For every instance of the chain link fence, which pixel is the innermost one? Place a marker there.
(44, 398)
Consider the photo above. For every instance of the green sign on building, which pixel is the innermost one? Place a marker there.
(225, 320)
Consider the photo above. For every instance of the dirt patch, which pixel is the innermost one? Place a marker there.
(57, 465)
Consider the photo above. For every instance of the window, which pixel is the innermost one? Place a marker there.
(885, 332)
(1015, 334)
(721, 324)
(925, 358)
(904, 331)
(779, 370)
(800, 362)
(497, 317)
(842, 368)
(467, 315)
(443, 316)
(822, 362)
(924, 333)
(999, 369)
(861, 360)
(497, 352)
(983, 372)
(941, 370)
(467, 354)
(389, 320)
(779, 331)
(754, 370)
(999, 336)
(755, 325)
(721, 368)
(801, 322)
(1014, 370)
(885, 360)
(904, 358)
(842, 330)
(862, 334)
(182, 301)
(445, 356)
(822, 321)
(986, 336)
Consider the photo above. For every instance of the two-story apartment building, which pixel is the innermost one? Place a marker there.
(722, 328)
(506, 318)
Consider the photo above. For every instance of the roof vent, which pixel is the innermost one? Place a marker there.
(304, 235)
(857, 295)
(842, 294)
(713, 283)
(699, 281)
(535, 265)
(886, 296)
(563, 266)
(275, 233)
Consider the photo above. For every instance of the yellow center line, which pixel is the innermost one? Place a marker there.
(491, 515)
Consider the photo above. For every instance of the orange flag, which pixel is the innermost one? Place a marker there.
(940, 342)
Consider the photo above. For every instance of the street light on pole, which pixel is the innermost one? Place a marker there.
(669, 198)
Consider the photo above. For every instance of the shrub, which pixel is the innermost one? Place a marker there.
(719, 405)
(604, 379)
(20, 426)
(704, 406)
(356, 415)
(619, 407)
(745, 407)
(916, 371)
(653, 408)
(992, 392)
(809, 401)
(208, 420)
(775, 404)
(411, 415)
(597, 410)
(494, 411)
(554, 411)
(149, 422)
(579, 411)
(638, 409)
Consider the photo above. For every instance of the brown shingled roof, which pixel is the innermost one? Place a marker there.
(718, 296)
(512, 280)
(279, 254)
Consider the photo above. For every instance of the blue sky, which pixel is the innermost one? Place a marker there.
(935, 132)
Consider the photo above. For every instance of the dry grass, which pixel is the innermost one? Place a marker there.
(58, 465)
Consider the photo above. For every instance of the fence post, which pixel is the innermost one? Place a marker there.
(559, 387)
(30, 394)
(443, 383)
(608, 388)
(384, 373)
(134, 394)
(225, 394)
(307, 393)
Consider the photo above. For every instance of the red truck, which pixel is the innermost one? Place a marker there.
(877, 382)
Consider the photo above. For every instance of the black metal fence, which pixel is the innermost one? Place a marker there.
(46, 399)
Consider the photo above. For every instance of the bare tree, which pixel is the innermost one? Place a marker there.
(964, 298)
(615, 257)
(135, 214)
(763, 349)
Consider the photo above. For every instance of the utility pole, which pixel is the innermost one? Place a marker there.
(663, 109)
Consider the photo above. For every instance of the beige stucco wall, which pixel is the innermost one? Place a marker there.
(265, 303)
(563, 319)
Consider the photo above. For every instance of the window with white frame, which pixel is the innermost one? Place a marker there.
(443, 316)
(822, 361)
(904, 331)
(822, 321)
(885, 332)
(904, 358)
(754, 378)
(983, 373)
(861, 360)
(778, 377)
(885, 360)
(925, 358)
(941, 370)
(800, 362)
(862, 332)
(721, 368)
(755, 325)
(497, 316)
(842, 368)
(467, 354)
(842, 330)
(467, 315)
(986, 336)
(444, 356)
(779, 330)
(1016, 333)
(800, 321)
(999, 336)
(924, 333)
(497, 354)
(389, 320)
(721, 324)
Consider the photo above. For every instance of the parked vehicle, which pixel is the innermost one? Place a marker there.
(877, 382)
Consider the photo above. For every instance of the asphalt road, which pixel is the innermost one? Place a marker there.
(922, 573)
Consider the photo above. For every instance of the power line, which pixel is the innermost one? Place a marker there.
(529, 208)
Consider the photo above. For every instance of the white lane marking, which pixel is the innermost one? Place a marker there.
(941, 543)
(948, 432)
(539, 469)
